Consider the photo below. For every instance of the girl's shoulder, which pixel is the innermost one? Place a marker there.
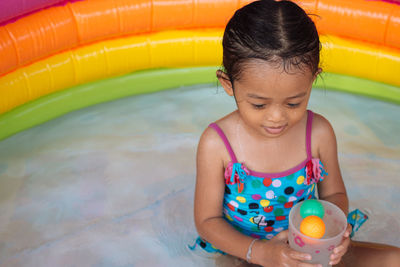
(321, 126)
(211, 141)
(322, 134)
(225, 124)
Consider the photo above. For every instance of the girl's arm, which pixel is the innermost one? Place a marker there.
(209, 193)
(332, 188)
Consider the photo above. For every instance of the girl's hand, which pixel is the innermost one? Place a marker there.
(340, 250)
(276, 253)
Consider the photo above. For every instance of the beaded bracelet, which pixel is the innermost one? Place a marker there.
(248, 255)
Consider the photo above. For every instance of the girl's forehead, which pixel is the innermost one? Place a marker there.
(259, 75)
(261, 67)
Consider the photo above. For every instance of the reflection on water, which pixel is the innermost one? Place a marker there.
(112, 185)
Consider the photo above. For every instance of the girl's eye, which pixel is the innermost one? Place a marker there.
(258, 106)
(291, 105)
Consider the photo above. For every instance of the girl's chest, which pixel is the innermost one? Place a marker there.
(243, 186)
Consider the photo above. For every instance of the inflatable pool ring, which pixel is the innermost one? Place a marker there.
(59, 56)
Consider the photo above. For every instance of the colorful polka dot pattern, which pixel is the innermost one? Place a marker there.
(262, 208)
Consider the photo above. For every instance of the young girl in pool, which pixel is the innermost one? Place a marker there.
(256, 163)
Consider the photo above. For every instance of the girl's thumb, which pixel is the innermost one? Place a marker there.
(283, 236)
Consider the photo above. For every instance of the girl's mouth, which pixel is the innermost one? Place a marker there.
(274, 130)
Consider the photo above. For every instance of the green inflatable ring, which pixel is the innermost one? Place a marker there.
(57, 104)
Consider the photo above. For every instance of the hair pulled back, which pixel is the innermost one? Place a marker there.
(278, 32)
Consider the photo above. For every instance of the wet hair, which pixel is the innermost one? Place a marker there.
(276, 32)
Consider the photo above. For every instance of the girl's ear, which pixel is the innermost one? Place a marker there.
(225, 82)
(317, 73)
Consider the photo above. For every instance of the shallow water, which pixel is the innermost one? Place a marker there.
(112, 184)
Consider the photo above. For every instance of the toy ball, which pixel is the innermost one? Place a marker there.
(312, 226)
(312, 207)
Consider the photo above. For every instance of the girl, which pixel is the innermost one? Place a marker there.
(255, 163)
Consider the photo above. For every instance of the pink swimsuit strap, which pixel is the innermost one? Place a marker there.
(225, 139)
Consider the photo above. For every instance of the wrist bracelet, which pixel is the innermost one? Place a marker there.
(248, 255)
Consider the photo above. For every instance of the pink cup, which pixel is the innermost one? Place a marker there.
(319, 249)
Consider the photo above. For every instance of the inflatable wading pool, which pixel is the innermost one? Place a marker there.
(82, 189)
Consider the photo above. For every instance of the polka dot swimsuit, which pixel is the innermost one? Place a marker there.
(258, 204)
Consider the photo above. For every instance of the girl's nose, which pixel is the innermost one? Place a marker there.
(275, 114)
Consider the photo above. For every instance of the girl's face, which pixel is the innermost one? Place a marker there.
(270, 100)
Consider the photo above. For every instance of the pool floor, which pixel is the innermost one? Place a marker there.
(112, 184)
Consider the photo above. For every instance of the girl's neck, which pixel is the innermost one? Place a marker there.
(266, 154)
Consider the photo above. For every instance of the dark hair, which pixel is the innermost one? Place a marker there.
(279, 32)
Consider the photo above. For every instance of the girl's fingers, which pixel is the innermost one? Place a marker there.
(348, 230)
(297, 259)
(334, 262)
(295, 255)
(298, 256)
(282, 236)
(309, 265)
(335, 257)
(343, 246)
(339, 251)
(303, 264)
